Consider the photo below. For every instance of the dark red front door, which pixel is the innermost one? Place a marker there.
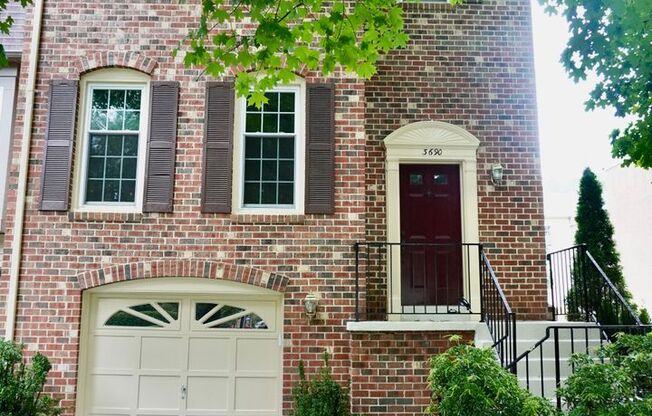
(431, 267)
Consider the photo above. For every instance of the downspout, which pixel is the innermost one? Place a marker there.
(21, 191)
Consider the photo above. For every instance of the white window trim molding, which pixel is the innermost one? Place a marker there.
(298, 86)
(451, 145)
(118, 78)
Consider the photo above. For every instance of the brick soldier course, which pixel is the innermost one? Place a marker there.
(471, 66)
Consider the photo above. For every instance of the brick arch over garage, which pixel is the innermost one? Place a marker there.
(118, 59)
(182, 268)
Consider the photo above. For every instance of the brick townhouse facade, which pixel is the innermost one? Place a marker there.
(171, 234)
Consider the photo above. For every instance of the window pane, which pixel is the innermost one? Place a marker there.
(416, 179)
(131, 146)
(93, 191)
(253, 122)
(286, 123)
(98, 120)
(111, 191)
(252, 193)
(270, 123)
(287, 102)
(440, 179)
(269, 193)
(114, 146)
(133, 99)
(286, 148)
(252, 147)
(252, 170)
(286, 170)
(115, 119)
(122, 318)
(132, 120)
(100, 99)
(117, 99)
(128, 191)
(269, 170)
(270, 147)
(129, 168)
(272, 103)
(96, 167)
(286, 193)
(171, 308)
(98, 145)
(113, 165)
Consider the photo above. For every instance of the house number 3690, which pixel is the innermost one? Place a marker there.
(432, 151)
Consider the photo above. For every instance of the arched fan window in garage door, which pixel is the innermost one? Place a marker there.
(153, 314)
(222, 316)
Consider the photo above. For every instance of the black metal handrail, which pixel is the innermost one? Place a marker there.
(497, 313)
(580, 290)
(579, 339)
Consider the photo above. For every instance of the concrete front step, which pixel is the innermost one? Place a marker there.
(541, 366)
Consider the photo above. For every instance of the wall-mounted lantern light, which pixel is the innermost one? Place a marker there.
(497, 174)
(310, 302)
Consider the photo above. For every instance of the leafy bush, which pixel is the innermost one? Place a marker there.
(21, 386)
(466, 380)
(617, 383)
(321, 396)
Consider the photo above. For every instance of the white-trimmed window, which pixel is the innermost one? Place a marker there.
(112, 141)
(269, 153)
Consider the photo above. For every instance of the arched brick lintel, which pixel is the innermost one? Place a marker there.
(182, 268)
(109, 59)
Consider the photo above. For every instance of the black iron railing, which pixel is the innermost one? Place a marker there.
(497, 313)
(581, 291)
(542, 368)
(414, 279)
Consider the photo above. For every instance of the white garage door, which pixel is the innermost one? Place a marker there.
(172, 356)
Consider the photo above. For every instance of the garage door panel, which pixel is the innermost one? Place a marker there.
(159, 392)
(112, 393)
(256, 394)
(162, 353)
(114, 352)
(210, 354)
(208, 394)
(249, 357)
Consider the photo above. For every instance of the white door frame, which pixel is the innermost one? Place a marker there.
(168, 288)
(432, 142)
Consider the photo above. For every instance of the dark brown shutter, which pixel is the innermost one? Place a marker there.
(320, 149)
(55, 179)
(161, 146)
(218, 148)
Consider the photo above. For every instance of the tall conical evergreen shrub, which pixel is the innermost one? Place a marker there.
(594, 229)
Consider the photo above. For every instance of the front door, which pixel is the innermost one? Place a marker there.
(431, 230)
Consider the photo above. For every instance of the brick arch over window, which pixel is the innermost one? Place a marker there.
(133, 60)
(182, 268)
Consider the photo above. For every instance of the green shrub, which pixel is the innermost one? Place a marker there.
(619, 386)
(466, 380)
(321, 396)
(21, 386)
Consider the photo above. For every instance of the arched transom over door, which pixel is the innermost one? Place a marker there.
(191, 355)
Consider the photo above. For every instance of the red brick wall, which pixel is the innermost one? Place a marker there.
(492, 97)
(389, 371)
(312, 251)
(472, 66)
